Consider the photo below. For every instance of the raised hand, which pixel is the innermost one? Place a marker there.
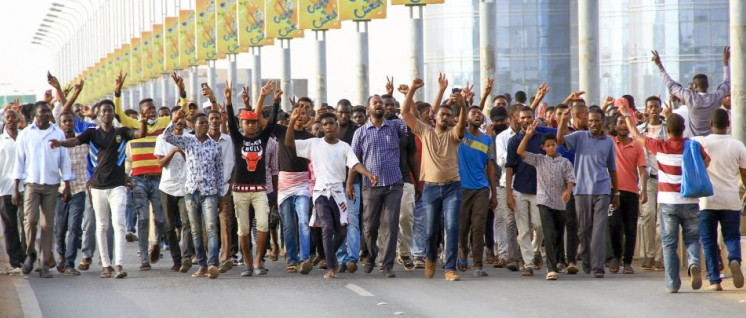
(623, 111)
(245, 95)
(79, 87)
(295, 114)
(656, 59)
(416, 84)
(488, 87)
(178, 81)
(442, 81)
(228, 90)
(207, 92)
(403, 88)
(48, 96)
(278, 95)
(389, 85)
(120, 81)
(66, 91)
(293, 101)
(52, 80)
(532, 128)
(542, 91)
(467, 93)
(267, 88)
(726, 55)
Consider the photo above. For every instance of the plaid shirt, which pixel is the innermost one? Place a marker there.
(552, 174)
(79, 159)
(379, 150)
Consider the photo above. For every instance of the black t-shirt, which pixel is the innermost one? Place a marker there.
(288, 160)
(407, 147)
(250, 168)
(108, 150)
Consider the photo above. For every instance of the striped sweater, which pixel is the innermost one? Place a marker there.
(669, 154)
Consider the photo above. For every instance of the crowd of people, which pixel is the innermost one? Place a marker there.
(509, 183)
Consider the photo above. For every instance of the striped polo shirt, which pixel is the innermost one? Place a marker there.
(143, 160)
(668, 154)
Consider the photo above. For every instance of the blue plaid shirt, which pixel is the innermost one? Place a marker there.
(379, 150)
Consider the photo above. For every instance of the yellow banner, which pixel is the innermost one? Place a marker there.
(187, 48)
(146, 55)
(415, 2)
(227, 34)
(362, 9)
(319, 14)
(124, 66)
(136, 61)
(206, 31)
(282, 19)
(251, 24)
(157, 49)
(171, 44)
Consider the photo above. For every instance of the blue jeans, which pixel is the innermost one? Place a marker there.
(350, 250)
(442, 202)
(145, 190)
(729, 226)
(297, 205)
(672, 216)
(67, 223)
(199, 206)
(418, 231)
(130, 217)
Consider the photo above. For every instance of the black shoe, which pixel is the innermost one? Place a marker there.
(388, 273)
(407, 262)
(367, 267)
(598, 274)
(28, 265)
(341, 268)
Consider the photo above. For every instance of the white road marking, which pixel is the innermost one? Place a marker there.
(359, 290)
(29, 303)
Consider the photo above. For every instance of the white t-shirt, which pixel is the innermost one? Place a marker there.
(329, 160)
(173, 175)
(727, 156)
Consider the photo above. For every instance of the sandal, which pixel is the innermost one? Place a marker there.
(329, 275)
(120, 272)
(552, 276)
(292, 268)
(106, 273)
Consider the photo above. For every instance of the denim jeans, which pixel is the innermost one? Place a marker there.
(672, 216)
(199, 206)
(442, 202)
(130, 218)
(729, 226)
(67, 223)
(350, 250)
(145, 190)
(297, 205)
(419, 240)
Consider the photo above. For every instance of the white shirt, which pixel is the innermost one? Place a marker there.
(329, 161)
(683, 111)
(501, 151)
(173, 175)
(226, 150)
(7, 159)
(727, 157)
(36, 162)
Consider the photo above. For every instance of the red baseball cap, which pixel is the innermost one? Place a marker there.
(248, 115)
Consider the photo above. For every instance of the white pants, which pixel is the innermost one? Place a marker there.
(109, 206)
(526, 217)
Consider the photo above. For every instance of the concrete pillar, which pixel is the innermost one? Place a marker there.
(738, 68)
(320, 67)
(256, 72)
(286, 83)
(132, 98)
(588, 50)
(232, 77)
(487, 39)
(361, 63)
(194, 86)
(167, 101)
(211, 74)
(157, 101)
(416, 47)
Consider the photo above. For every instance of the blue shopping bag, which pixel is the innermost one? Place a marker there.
(695, 182)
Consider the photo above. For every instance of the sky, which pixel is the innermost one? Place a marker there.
(23, 66)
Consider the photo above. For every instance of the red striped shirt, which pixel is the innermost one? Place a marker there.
(668, 154)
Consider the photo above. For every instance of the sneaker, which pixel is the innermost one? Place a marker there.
(552, 276)
(429, 268)
(572, 269)
(226, 266)
(696, 273)
(715, 287)
(351, 267)
(501, 263)
(598, 275)
(419, 263)
(71, 272)
(213, 272)
(452, 276)
(306, 267)
(154, 253)
(130, 237)
(201, 272)
(628, 269)
(186, 264)
(735, 269)
(512, 266)
(407, 262)
(120, 272)
(527, 271)
(388, 273)
(145, 266)
(28, 265)
(614, 266)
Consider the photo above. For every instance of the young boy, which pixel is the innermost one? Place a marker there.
(553, 173)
